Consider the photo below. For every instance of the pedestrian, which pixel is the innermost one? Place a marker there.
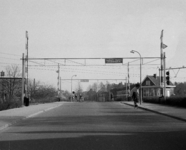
(135, 94)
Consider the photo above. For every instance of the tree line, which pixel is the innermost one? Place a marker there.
(91, 93)
(10, 91)
(11, 88)
(180, 89)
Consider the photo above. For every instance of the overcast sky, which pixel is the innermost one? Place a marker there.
(93, 28)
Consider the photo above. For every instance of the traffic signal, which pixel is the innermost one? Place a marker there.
(168, 78)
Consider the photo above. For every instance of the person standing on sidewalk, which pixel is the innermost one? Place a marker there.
(134, 93)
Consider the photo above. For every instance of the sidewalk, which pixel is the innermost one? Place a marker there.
(173, 112)
(11, 116)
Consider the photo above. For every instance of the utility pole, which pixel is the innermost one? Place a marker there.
(128, 77)
(34, 85)
(126, 89)
(23, 80)
(27, 63)
(164, 77)
(58, 79)
(60, 84)
(161, 61)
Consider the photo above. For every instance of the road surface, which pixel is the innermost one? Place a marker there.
(95, 126)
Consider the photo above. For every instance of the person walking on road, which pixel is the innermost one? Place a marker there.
(135, 94)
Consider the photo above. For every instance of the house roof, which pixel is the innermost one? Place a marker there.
(155, 80)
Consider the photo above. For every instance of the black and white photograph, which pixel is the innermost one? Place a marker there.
(92, 74)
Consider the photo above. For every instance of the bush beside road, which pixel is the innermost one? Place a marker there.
(173, 112)
(171, 101)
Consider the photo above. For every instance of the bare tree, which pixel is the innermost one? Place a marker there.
(79, 88)
(102, 87)
(12, 84)
(33, 86)
(108, 86)
(13, 71)
(89, 87)
(95, 87)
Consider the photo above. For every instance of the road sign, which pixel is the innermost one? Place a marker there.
(84, 80)
(114, 60)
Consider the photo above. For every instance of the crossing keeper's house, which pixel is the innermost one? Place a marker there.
(151, 87)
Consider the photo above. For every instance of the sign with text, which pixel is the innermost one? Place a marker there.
(84, 80)
(114, 60)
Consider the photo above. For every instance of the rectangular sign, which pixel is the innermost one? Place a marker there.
(114, 60)
(84, 80)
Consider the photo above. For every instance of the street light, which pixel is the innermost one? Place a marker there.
(71, 84)
(133, 51)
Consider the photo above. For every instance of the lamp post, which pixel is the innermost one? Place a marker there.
(71, 84)
(133, 51)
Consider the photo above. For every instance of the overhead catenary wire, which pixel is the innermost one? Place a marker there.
(89, 72)
(97, 66)
(80, 71)
(10, 58)
(93, 58)
(10, 54)
(84, 70)
(10, 63)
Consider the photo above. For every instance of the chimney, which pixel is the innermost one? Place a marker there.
(155, 76)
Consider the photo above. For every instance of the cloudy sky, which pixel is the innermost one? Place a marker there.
(93, 29)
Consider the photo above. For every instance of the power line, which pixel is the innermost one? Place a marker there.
(170, 68)
(85, 70)
(10, 63)
(81, 71)
(93, 79)
(93, 58)
(10, 58)
(10, 54)
(90, 72)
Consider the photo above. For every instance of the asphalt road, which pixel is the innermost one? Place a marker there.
(95, 126)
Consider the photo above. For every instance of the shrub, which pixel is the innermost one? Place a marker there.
(172, 101)
(10, 105)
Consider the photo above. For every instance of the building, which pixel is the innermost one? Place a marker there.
(120, 94)
(102, 96)
(151, 87)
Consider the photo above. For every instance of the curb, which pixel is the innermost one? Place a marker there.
(171, 116)
(29, 116)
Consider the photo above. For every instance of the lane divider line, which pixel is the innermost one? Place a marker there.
(30, 116)
(35, 114)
